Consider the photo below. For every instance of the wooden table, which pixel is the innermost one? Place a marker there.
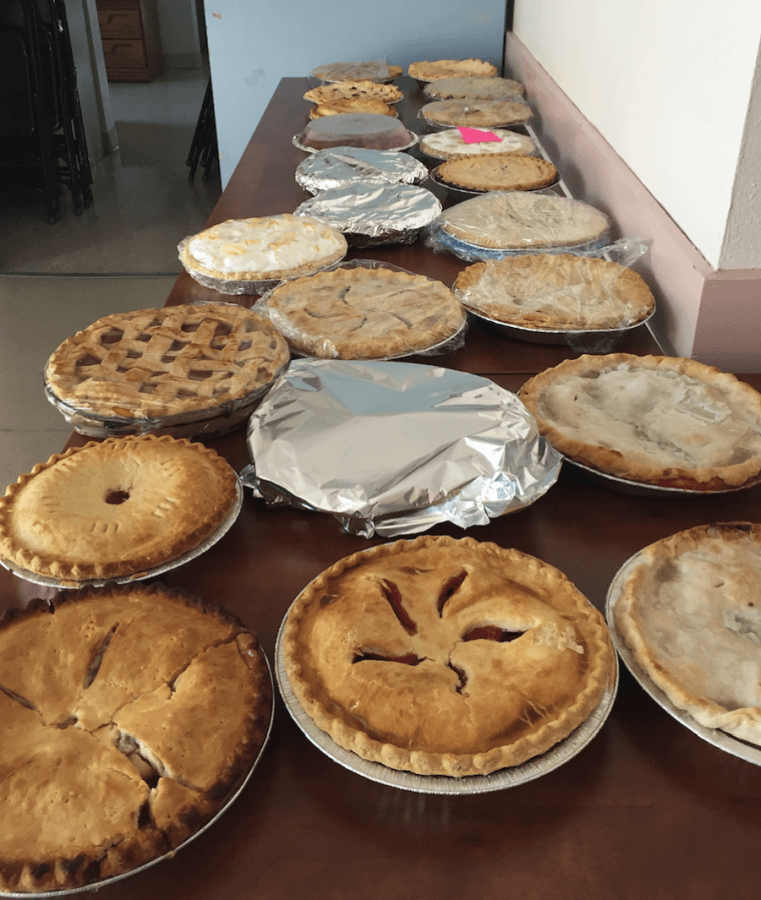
(646, 810)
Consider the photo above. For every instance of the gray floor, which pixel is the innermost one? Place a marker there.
(121, 254)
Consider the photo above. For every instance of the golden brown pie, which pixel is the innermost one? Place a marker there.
(450, 144)
(115, 508)
(348, 105)
(440, 656)
(354, 90)
(447, 68)
(497, 173)
(476, 113)
(365, 313)
(106, 697)
(473, 87)
(690, 612)
(188, 361)
(357, 71)
(555, 291)
(661, 420)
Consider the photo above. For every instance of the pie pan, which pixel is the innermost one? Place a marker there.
(441, 784)
(462, 193)
(643, 489)
(474, 253)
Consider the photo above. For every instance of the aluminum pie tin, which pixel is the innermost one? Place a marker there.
(96, 885)
(466, 193)
(475, 253)
(720, 739)
(533, 768)
(199, 550)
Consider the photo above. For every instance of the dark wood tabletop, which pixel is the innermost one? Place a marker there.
(647, 811)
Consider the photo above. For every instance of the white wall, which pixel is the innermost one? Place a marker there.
(668, 84)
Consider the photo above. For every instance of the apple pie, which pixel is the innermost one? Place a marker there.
(347, 105)
(354, 90)
(497, 173)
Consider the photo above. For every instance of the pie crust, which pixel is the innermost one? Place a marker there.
(450, 144)
(555, 291)
(154, 363)
(660, 420)
(690, 613)
(362, 313)
(476, 113)
(356, 71)
(497, 173)
(474, 88)
(446, 657)
(354, 90)
(447, 68)
(347, 105)
(115, 508)
(103, 707)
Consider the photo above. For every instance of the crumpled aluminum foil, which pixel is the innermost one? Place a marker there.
(341, 166)
(395, 448)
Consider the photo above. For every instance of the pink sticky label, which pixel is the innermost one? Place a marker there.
(474, 136)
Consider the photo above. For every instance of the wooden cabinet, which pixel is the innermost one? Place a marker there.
(129, 30)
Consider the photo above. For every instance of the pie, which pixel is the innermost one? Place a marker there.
(354, 90)
(476, 113)
(342, 166)
(357, 71)
(105, 698)
(115, 508)
(450, 144)
(474, 88)
(521, 221)
(497, 173)
(660, 420)
(349, 105)
(365, 313)
(446, 68)
(187, 361)
(367, 130)
(261, 249)
(446, 657)
(555, 291)
(689, 611)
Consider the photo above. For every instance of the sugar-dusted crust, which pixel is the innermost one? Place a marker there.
(83, 798)
(474, 88)
(359, 313)
(555, 291)
(476, 113)
(426, 70)
(354, 90)
(690, 612)
(115, 508)
(382, 651)
(498, 173)
(665, 421)
(449, 144)
(350, 105)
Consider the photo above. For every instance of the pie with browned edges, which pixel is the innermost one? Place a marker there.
(446, 657)
(497, 173)
(106, 698)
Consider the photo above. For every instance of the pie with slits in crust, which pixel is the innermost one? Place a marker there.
(106, 697)
(446, 657)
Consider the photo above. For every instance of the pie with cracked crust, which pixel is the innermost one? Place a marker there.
(690, 612)
(365, 313)
(105, 697)
(354, 90)
(556, 292)
(446, 657)
(450, 144)
(189, 363)
(497, 173)
(660, 420)
(116, 508)
(476, 113)
(474, 88)
(426, 70)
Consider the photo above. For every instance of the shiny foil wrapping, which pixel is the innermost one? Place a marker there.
(395, 448)
(341, 166)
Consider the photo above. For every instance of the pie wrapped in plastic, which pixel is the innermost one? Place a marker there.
(361, 70)
(450, 144)
(476, 113)
(473, 87)
(426, 70)
(497, 173)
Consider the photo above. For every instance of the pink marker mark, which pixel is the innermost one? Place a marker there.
(474, 136)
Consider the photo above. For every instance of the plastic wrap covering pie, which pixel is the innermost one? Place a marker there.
(194, 369)
(446, 657)
(106, 697)
(447, 68)
(329, 169)
(475, 113)
(340, 107)
(367, 130)
(371, 70)
(237, 255)
(690, 612)
(115, 508)
(474, 88)
(660, 420)
(365, 313)
(450, 144)
(497, 173)
(557, 292)
(354, 90)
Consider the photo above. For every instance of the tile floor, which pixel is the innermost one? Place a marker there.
(119, 255)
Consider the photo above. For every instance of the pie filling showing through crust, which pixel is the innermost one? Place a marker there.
(116, 508)
(106, 698)
(498, 173)
(362, 313)
(665, 421)
(446, 657)
(690, 612)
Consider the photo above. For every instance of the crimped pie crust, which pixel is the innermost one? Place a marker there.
(263, 249)
(426, 70)
(555, 291)
(348, 105)
(115, 508)
(690, 612)
(665, 421)
(449, 144)
(498, 173)
(103, 707)
(474, 88)
(383, 653)
(354, 90)
(360, 313)
(163, 362)
(476, 113)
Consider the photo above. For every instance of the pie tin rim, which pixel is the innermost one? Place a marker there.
(476, 252)
(457, 191)
(97, 885)
(721, 739)
(511, 776)
(198, 550)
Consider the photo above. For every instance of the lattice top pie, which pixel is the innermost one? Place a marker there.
(474, 88)
(449, 657)
(446, 68)
(661, 420)
(105, 699)
(497, 173)
(476, 113)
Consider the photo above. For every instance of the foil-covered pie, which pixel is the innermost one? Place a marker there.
(474, 88)
(106, 697)
(426, 70)
(446, 657)
(497, 173)
(476, 113)
(450, 144)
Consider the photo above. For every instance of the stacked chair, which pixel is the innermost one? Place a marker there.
(40, 116)
(203, 147)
